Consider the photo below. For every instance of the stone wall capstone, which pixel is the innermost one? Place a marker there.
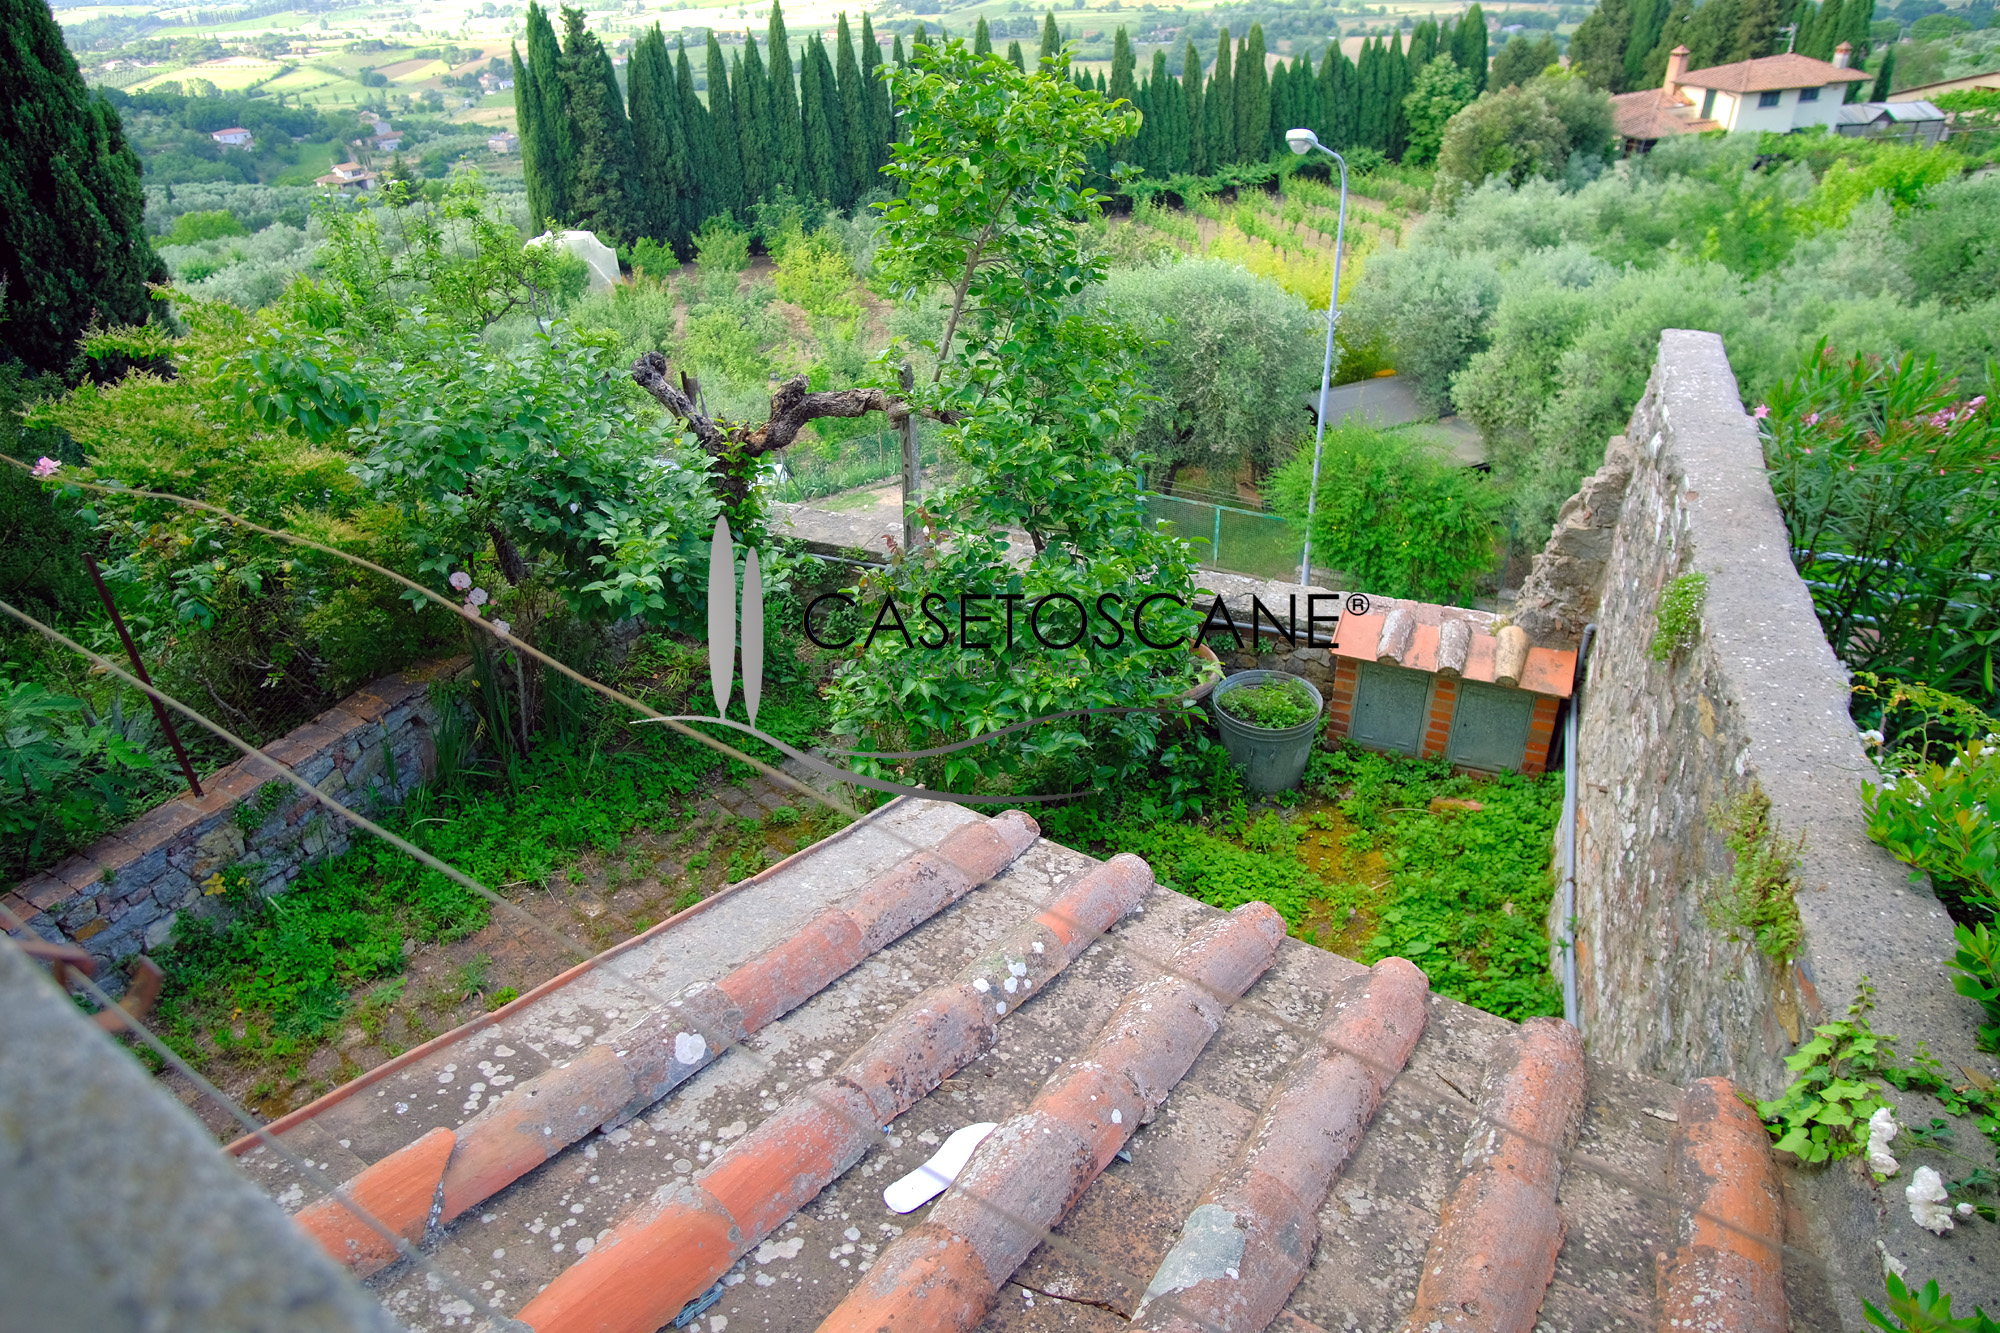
(123, 893)
(1757, 701)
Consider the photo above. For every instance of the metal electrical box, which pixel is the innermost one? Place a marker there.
(1390, 707)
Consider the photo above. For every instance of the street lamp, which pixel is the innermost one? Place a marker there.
(1302, 142)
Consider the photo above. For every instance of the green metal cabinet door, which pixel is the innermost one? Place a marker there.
(1390, 705)
(1489, 730)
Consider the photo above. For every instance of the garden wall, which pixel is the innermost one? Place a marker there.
(122, 894)
(1758, 700)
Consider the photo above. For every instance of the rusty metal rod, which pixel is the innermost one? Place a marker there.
(139, 669)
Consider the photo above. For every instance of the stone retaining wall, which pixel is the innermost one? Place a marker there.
(123, 894)
(1758, 701)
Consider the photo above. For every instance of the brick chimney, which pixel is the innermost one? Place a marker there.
(1842, 54)
(1677, 63)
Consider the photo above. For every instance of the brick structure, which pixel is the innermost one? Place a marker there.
(122, 894)
(1447, 683)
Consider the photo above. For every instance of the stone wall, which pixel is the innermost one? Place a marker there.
(1758, 700)
(122, 894)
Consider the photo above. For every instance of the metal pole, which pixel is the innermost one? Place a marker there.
(1215, 545)
(1326, 369)
(139, 670)
(912, 466)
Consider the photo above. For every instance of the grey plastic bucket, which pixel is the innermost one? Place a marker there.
(1272, 759)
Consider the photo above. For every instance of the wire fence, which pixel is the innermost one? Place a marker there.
(1236, 541)
(317, 1179)
(816, 469)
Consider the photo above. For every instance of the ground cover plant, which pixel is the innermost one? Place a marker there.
(1274, 704)
(1381, 856)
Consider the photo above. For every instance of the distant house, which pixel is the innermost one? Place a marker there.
(1778, 93)
(386, 143)
(1924, 92)
(348, 176)
(1917, 122)
(489, 82)
(504, 142)
(234, 137)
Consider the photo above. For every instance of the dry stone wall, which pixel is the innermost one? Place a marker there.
(1757, 701)
(122, 894)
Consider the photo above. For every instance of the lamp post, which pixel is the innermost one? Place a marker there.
(1303, 141)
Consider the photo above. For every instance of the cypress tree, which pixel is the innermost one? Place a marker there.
(1648, 17)
(857, 128)
(982, 40)
(1253, 99)
(826, 170)
(1331, 85)
(1855, 20)
(1885, 77)
(539, 174)
(1281, 105)
(1161, 99)
(1219, 107)
(881, 115)
(1474, 50)
(753, 126)
(1370, 125)
(1123, 67)
(659, 142)
(1305, 92)
(1016, 58)
(1424, 43)
(73, 244)
(702, 201)
(1757, 24)
(788, 144)
(1396, 86)
(726, 190)
(1826, 30)
(1051, 37)
(601, 185)
(554, 152)
(1199, 159)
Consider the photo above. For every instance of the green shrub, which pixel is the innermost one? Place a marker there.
(1397, 514)
(193, 228)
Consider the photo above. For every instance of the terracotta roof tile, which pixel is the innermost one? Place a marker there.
(1496, 1242)
(1725, 1277)
(820, 1133)
(612, 1080)
(1769, 73)
(1028, 1173)
(1650, 114)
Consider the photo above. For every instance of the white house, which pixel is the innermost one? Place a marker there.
(1778, 93)
(347, 176)
(504, 142)
(234, 137)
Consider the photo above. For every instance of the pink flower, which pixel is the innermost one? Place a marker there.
(502, 627)
(45, 467)
(1812, 418)
(472, 608)
(1763, 410)
(1975, 404)
(461, 580)
(477, 597)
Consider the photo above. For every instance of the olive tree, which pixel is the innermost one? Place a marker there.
(1229, 359)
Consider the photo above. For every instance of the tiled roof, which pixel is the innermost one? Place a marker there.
(1650, 114)
(1459, 644)
(1329, 1129)
(1771, 73)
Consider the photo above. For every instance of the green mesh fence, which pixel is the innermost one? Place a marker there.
(1240, 541)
